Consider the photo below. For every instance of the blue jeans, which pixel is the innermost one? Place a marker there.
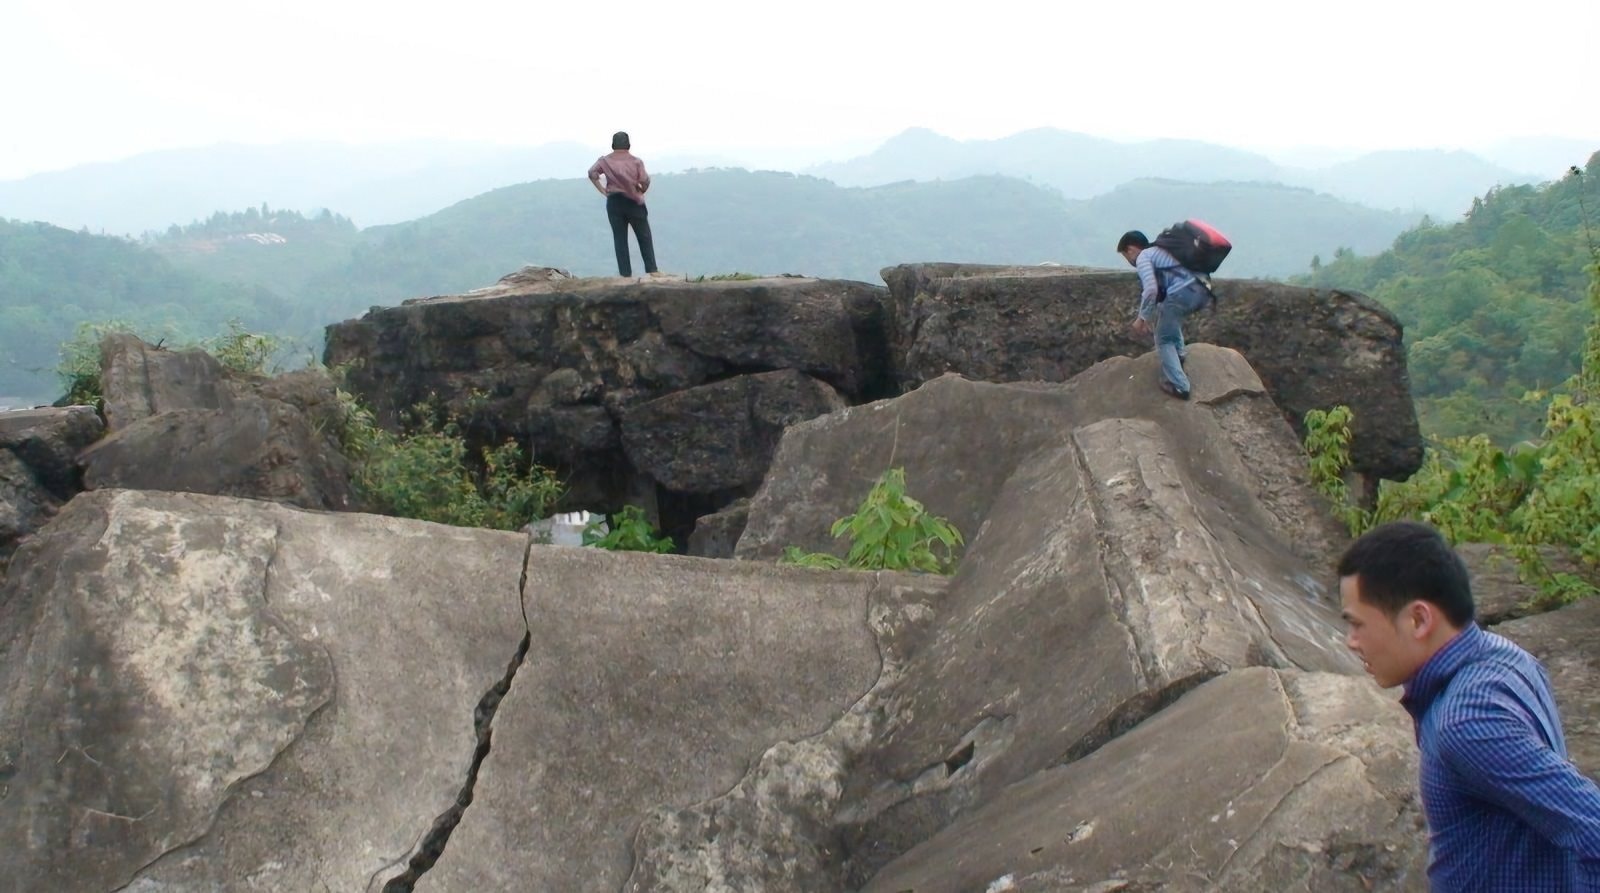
(1169, 331)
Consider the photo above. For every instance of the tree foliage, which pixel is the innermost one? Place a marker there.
(1542, 492)
(1493, 306)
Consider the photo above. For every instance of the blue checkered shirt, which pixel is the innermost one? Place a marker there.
(1507, 811)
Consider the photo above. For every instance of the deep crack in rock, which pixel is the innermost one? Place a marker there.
(432, 846)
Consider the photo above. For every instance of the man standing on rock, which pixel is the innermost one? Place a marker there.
(1507, 810)
(1182, 295)
(625, 183)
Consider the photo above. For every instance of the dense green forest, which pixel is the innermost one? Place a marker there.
(1493, 306)
(52, 279)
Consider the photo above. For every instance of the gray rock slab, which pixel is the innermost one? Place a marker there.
(255, 448)
(202, 693)
(721, 436)
(1567, 642)
(1258, 780)
(651, 681)
(1498, 590)
(25, 506)
(1313, 348)
(48, 442)
(138, 380)
(716, 534)
(1121, 549)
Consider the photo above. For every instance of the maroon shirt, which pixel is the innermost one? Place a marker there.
(624, 172)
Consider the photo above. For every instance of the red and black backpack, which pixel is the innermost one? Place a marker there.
(1198, 247)
(1195, 244)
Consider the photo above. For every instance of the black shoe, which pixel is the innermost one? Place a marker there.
(1171, 390)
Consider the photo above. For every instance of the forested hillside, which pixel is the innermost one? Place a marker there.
(287, 274)
(52, 279)
(1493, 306)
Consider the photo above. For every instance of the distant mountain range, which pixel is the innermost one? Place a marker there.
(386, 184)
(720, 221)
(1437, 182)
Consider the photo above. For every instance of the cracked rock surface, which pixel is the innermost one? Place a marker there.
(1119, 554)
(1134, 681)
(1258, 780)
(651, 681)
(203, 693)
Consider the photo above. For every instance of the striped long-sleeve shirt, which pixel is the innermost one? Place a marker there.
(1156, 262)
(1507, 811)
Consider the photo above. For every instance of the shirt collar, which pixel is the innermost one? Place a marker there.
(1423, 687)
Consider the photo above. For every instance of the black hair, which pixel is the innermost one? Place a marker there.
(1405, 561)
(1132, 237)
(619, 140)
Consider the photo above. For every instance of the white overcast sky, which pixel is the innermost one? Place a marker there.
(85, 80)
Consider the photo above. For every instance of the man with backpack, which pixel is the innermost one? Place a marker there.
(1172, 289)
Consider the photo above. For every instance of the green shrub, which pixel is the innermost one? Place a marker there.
(242, 351)
(630, 531)
(888, 531)
(79, 369)
(425, 472)
(1543, 493)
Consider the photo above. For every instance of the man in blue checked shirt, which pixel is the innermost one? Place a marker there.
(1506, 809)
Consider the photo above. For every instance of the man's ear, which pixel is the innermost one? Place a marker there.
(1423, 617)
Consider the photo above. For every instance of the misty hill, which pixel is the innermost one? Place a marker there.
(1441, 183)
(1082, 166)
(717, 221)
(1079, 165)
(290, 274)
(52, 279)
(1272, 226)
(371, 184)
(390, 183)
(1493, 306)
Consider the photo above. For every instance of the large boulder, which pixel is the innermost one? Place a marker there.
(570, 367)
(717, 534)
(721, 436)
(181, 421)
(202, 693)
(1498, 589)
(1260, 780)
(48, 442)
(652, 684)
(138, 380)
(255, 447)
(39, 466)
(1313, 348)
(25, 506)
(1568, 643)
(1123, 548)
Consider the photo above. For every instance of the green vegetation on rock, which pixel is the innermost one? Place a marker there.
(888, 531)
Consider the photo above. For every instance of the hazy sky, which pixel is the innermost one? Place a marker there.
(86, 80)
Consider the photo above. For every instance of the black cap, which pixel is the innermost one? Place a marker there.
(619, 140)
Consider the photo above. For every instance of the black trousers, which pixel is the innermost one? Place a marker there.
(622, 212)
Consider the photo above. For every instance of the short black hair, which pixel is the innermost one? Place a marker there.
(1132, 237)
(619, 140)
(1405, 561)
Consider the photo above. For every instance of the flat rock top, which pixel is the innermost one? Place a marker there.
(997, 271)
(517, 284)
